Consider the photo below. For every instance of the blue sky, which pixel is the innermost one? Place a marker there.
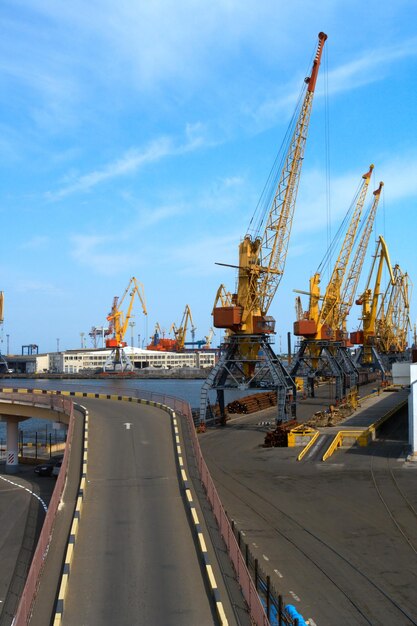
(136, 138)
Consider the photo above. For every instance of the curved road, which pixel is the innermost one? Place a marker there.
(135, 561)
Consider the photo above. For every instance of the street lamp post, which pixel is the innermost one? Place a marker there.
(131, 324)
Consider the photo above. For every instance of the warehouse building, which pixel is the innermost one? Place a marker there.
(89, 361)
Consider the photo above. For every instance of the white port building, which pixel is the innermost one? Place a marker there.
(80, 361)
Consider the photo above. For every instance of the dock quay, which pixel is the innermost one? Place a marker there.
(357, 429)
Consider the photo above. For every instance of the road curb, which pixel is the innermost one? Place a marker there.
(196, 524)
(66, 571)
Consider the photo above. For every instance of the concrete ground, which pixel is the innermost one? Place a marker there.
(339, 539)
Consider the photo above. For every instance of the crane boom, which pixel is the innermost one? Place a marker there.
(352, 280)
(332, 295)
(274, 245)
(262, 258)
(322, 322)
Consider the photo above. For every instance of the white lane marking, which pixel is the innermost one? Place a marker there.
(311, 622)
(278, 573)
(242, 533)
(32, 493)
(294, 595)
(128, 425)
(255, 545)
(265, 557)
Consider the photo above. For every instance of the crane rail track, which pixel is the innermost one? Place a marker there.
(389, 510)
(304, 551)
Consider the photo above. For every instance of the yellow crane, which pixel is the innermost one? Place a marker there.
(351, 284)
(323, 350)
(370, 301)
(393, 320)
(118, 324)
(321, 322)
(262, 256)
(180, 332)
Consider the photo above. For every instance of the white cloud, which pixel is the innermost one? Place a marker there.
(371, 66)
(39, 287)
(132, 161)
(88, 251)
(35, 243)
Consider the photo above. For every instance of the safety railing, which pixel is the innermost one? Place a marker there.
(53, 402)
(256, 609)
(29, 592)
(352, 436)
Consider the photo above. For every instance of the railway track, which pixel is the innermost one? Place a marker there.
(398, 507)
(341, 573)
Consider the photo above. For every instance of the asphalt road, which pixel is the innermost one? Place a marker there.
(339, 539)
(21, 517)
(135, 560)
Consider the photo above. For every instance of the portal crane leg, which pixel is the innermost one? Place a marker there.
(267, 373)
(337, 373)
(316, 359)
(375, 360)
(118, 360)
(347, 364)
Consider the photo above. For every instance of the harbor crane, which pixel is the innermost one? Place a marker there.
(118, 324)
(324, 348)
(98, 331)
(157, 335)
(385, 314)
(208, 338)
(246, 357)
(180, 332)
(393, 320)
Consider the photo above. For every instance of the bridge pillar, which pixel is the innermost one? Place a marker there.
(412, 413)
(12, 444)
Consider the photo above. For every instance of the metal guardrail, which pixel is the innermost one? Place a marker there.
(29, 592)
(29, 398)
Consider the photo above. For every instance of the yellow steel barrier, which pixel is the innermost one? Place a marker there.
(359, 436)
(298, 433)
(308, 446)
